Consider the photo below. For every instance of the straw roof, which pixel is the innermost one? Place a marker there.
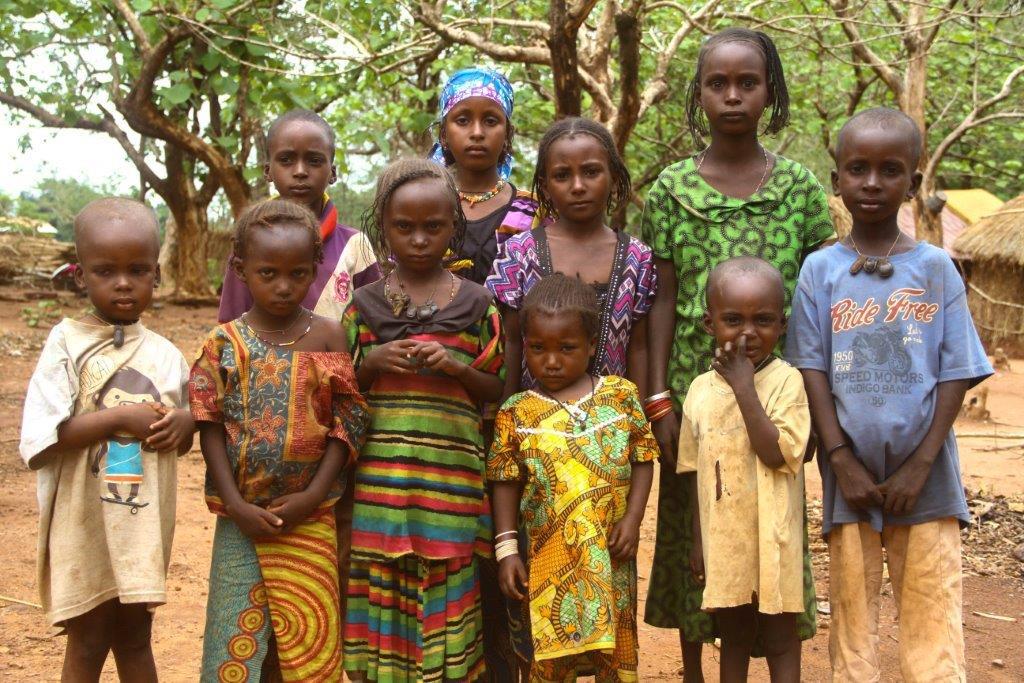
(999, 235)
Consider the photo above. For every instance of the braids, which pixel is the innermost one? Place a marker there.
(559, 294)
(622, 189)
(395, 175)
(778, 94)
(305, 115)
(276, 213)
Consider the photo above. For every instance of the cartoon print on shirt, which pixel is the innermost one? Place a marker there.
(123, 451)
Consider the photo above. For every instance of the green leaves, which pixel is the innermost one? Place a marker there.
(176, 94)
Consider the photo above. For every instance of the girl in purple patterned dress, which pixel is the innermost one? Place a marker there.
(579, 178)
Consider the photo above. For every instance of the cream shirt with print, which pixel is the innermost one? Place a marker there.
(751, 516)
(106, 513)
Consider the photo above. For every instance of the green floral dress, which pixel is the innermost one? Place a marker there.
(690, 223)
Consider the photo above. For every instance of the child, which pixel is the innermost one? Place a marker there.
(580, 177)
(732, 199)
(744, 432)
(474, 141)
(300, 164)
(279, 418)
(882, 334)
(572, 464)
(108, 396)
(427, 346)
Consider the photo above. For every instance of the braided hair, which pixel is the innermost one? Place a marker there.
(275, 213)
(559, 294)
(622, 188)
(778, 94)
(305, 115)
(395, 175)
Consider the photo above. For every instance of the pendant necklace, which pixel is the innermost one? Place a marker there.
(257, 332)
(764, 175)
(403, 302)
(118, 327)
(474, 198)
(764, 363)
(874, 264)
(577, 414)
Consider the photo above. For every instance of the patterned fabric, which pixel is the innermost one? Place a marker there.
(474, 82)
(288, 585)
(485, 236)
(690, 223)
(576, 485)
(348, 263)
(526, 258)
(411, 619)
(419, 480)
(278, 408)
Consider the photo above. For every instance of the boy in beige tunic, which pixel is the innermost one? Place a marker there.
(105, 417)
(744, 431)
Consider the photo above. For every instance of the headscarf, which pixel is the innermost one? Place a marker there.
(474, 82)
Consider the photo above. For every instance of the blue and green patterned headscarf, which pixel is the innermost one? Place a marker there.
(475, 82)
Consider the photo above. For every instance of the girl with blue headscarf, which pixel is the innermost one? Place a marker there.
(474, 140)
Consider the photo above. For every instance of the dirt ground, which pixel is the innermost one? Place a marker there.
(27, 652)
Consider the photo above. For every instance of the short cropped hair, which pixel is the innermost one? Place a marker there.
(736, 265)
(884, 118)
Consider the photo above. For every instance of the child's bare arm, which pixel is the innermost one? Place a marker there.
(732, 363)
(855, 482)
(513, 352)
(251, 519)
(903, 487)
(624, 539)
(295, 507)
(173, 431)
(660, 333)
(512, 577)
(697, 548)
(82, 431)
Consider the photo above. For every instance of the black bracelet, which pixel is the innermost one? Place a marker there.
(841, 444)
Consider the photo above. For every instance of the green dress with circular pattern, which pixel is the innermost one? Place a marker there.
(695, 226)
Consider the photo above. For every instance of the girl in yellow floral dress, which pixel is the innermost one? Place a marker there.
(571, 464)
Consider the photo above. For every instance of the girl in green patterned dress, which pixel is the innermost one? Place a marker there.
(733, 198)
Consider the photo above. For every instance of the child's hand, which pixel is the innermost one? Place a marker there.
(137, 419)
(293, 508)
(697, 560)
(732, 363)
(624, 539)
(855, 482)
(398, 357)
(666, 433)
(173, 431)
(902, 489)
(512, 578)
(436, 357)
(254, 521)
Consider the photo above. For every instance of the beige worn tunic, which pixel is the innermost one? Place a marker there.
(106, 513)
(751, 516)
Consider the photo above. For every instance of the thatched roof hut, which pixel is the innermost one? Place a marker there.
(995, 244)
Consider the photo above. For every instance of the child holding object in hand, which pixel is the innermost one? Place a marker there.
(744, 431)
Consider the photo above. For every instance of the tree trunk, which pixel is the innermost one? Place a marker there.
(190, 274)
(564, 62)
(169, 256)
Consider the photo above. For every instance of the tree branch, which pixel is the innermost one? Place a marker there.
(133, 25)
(861, 49)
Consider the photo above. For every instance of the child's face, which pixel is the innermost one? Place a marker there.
(558, 349)
(746, 305)
(118, 265)
(875, 173)
(578, 178)
(277, 267)
(301, 164)
(418, 223)
(733, 87)
(475, 132)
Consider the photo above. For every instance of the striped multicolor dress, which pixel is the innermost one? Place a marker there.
(420, 518)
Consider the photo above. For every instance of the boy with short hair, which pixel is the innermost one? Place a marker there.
(105, 417)
(881, 331)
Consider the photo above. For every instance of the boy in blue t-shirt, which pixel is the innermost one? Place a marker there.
(881, 332)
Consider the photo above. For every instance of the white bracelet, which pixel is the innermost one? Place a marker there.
(506, 549)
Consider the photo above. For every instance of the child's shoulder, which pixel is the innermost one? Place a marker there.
(621, 385)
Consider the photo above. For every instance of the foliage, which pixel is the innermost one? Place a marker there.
(6, 204)
(56, 201)
(45, 311)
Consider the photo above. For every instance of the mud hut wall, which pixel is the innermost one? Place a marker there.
(999, 317)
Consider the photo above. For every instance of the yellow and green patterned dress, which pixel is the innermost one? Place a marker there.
(690, 223)
(576, 469)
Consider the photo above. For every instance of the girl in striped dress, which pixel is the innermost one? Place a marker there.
(427, 347)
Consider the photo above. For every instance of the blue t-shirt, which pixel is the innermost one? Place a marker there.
(885, 344)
